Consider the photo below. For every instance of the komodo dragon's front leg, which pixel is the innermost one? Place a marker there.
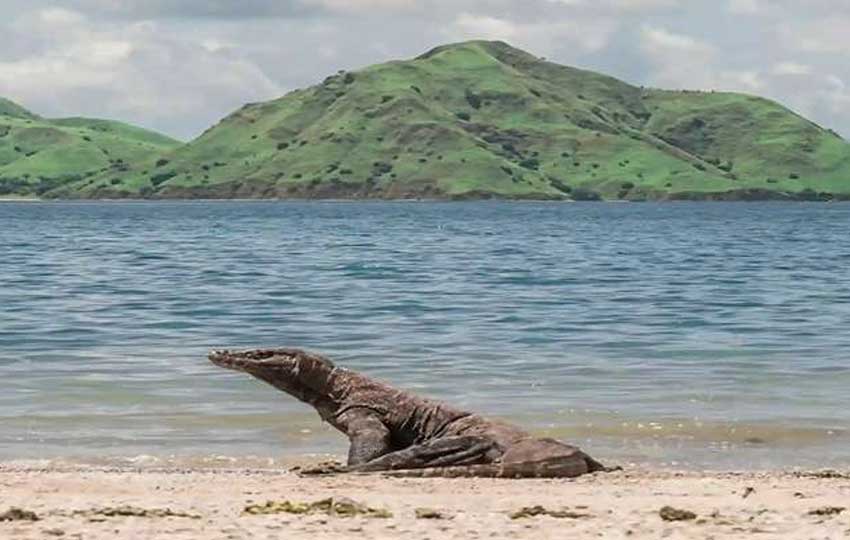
(369, 437)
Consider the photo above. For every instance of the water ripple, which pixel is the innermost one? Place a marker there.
(709, 320)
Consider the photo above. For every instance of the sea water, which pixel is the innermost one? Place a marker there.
(694, 334)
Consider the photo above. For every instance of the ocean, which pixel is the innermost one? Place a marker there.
(698, 335)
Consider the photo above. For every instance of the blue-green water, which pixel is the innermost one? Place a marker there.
(703, 334)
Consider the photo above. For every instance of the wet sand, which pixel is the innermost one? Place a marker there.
(80, 504)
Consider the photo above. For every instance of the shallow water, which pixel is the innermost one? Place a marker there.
(701, 334)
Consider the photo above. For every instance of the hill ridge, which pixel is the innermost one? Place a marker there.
(483, 119)
(39, 155)
(11, 109)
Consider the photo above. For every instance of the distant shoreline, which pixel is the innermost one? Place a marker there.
(409, 201)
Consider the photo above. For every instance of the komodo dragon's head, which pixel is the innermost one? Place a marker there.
(303, 375)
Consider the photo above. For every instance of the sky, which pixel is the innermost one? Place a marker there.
(179, 66)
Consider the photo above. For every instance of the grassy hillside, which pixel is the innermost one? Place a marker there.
(38, 155)
(13, 110)
(483, 119)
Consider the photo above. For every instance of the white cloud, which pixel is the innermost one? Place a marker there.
(748, 7)
(59, 16)
(791, 69)
(626, 5)
(828, 97)
(745, 81)
(824, 35)
(684, 62)
(486, 27)
(679, 61)
(197, 9)
(359, 5)
(129, 71)
(659, 41)
(214, 45)
(836, 82)
(538, 37)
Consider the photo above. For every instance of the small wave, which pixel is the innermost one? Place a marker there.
(199, 462)
(769, 434)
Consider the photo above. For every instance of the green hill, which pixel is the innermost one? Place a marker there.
(483, 119)
(13, 110)
(38, 155)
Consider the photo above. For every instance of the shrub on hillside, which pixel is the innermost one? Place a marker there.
(530, 163)
(381, 167)
(560, 186)
(161, 178)
(473, 100)
(583, 194)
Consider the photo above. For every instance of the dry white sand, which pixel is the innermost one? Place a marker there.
(617, 505)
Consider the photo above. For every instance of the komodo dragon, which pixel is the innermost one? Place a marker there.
(397, 432)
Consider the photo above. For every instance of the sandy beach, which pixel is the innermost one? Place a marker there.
(183, 504)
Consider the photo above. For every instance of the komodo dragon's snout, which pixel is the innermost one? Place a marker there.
(244, 360)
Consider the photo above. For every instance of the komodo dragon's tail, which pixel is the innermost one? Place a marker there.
(570, 468)
(460, 471)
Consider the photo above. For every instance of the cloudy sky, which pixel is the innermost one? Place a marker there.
(180, 65)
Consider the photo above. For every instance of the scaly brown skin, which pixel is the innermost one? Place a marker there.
(392, 430)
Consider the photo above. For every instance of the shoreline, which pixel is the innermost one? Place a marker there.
(184, 504)
(493, 200)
